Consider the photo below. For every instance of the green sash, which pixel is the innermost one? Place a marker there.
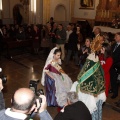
(91, 78)
(88, 73)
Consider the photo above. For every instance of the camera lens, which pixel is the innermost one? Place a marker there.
(4, 79)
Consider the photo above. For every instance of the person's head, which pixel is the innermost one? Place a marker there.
(51, 19)
(20, 29)
(55, 25)
(72, 26)
(72, 97)
(4, 31)
(23, 100)
(45, 28)
(35, 27)
(97, 31)
(12, 28)
(57, 54)
(60, 26)
(48, 25)
(29, 29)
(106, 50)
(117, 37)
(88, 41)
(101, 39)
(16, 26)
(69, 27)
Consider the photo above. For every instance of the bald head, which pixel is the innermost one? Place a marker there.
(23, 99)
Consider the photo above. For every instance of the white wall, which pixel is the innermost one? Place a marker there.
(55, 3)
(84, 13)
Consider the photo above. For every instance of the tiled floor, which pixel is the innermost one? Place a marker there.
(22, 68)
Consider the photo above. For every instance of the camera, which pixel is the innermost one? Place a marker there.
(33, 86)
(3, 77)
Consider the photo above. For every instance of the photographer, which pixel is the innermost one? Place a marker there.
(23, 103)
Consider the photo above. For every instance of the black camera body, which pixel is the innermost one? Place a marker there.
(3, 77)
(33, 86)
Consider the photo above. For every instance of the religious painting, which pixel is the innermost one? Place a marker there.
(87, 4)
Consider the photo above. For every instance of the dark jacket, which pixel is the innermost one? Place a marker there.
(73, 41)
(85, 55)
(76, 111)
(116, 54)
(2, 103)
(62, 34)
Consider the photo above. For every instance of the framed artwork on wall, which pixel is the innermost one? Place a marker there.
(87, 4)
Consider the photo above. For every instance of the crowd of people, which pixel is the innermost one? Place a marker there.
(97, 57)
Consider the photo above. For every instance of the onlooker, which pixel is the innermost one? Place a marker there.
(45, 39)
(74, 109)
(52, 22)
(21, 34)
(115, 66)
(68, 32)
(72, 47)
(106, 62)
(53, 35)
(80, 36)
(5, 34)
(84, 52)
(29, 32)
(36, 39)
(60, 39)
(97, 32)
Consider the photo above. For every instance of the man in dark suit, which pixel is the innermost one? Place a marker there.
(115, 67)
(74, 110)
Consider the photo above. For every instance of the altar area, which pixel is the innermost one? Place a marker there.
(107, 29)
(108, 16)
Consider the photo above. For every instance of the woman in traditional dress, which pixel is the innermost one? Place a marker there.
(90, 85)
(106, 62)
(57, 83)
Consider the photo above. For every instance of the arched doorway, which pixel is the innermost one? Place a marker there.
(60, 13)
(17, 15)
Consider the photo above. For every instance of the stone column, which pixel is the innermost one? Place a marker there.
(72, 6)
(46, 11)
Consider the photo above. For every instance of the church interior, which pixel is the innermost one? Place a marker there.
(20, 62)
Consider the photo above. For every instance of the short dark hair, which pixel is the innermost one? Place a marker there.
(51, 18)
(57, 51)
(90, 39)
(25, 106)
